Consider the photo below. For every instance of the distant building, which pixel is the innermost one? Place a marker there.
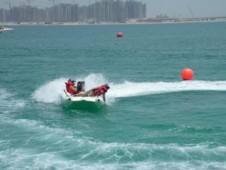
(100, 11)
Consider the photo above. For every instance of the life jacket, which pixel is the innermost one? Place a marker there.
(99, 91)
(69, 90)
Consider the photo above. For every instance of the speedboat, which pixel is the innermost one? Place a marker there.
(68, 96)
(2, 29)
(81, 88)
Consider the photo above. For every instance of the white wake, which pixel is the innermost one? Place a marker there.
(52, 91)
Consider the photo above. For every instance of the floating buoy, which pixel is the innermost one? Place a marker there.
(187, 74)
(119, 34)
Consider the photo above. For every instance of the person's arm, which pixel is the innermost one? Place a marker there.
(104, 98)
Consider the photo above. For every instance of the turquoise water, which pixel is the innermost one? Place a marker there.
(152, 119)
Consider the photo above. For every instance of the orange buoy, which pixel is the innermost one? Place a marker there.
(119, 34)
(187, 74)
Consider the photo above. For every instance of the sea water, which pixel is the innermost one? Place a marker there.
(152, 118)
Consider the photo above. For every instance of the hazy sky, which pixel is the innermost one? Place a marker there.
(172, 8)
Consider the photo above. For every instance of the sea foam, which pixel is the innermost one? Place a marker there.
(93, 154)
(8, 102)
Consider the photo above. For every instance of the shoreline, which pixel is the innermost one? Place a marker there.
(171, 21)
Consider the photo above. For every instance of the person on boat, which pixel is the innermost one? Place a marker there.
(71, 87)
(97, 91)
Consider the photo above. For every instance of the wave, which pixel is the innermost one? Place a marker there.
(4, 94)
(52, 91)
(20, 158)
(93, 154)
(8, 102)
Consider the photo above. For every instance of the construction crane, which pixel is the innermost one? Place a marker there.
(53, 1)
(29, 2)
(75, 2)
(9, 4)
(191, 12)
